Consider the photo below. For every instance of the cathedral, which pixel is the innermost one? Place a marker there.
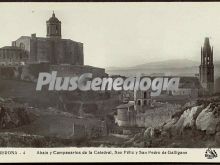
(51, 49)
(45, 54)
(206, 68)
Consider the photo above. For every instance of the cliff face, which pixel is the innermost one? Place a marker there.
(194, 126)
(200, 118)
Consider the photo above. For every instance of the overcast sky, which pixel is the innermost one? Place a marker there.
(120, 34)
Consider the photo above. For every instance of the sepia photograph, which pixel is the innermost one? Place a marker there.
(110, 75)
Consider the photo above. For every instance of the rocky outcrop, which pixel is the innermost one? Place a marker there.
(187, 119)
(182, 120)
(199, 124)
(209, 119)
(149, 133)
(195, 118)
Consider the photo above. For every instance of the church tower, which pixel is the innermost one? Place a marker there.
(206, 68)
(53, 27)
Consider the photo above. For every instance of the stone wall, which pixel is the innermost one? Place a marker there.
(54, 51)
(77, 70)
(30, 72)
(27, 72)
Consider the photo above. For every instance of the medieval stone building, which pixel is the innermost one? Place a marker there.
(142, 100)
(31, 53)
(52, 48)
(206, 68)
(136, 106)
(126, 115)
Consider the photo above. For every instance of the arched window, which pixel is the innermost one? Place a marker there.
(22, 46)
(47, 29)
(57, 30)
(145, 95)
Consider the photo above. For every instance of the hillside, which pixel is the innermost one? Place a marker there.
(182, 67)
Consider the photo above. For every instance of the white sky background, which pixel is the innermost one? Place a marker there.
(120, 34)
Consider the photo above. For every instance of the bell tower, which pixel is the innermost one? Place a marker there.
(206, 68)
(53, 27)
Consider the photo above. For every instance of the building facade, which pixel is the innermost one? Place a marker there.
(142, 100)
(126, 115)
(138, 102)
(11, 55)
(206, 68)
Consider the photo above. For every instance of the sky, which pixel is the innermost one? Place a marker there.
(121, 34)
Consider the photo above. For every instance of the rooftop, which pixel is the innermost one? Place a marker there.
(11, 48)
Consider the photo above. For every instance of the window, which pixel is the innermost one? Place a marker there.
(56, 30)
(139, 102)
(22, 46)
(145, 95)
(170, 93)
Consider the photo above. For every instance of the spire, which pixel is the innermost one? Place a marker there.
(206, 70)
(53, 15)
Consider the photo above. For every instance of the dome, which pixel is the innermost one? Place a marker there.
(53, 19)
